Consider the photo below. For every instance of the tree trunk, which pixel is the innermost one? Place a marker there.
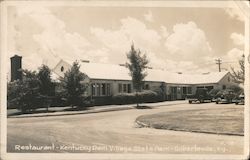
(137, 99)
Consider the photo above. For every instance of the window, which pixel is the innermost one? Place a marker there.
(101, 89)
(178, 90)
(103, 86)
(184, 90)
(62, 69)
(124, 88)
(146, 87)
(98, 89)
(120, 88)
(93, 89)
(108, 89)
(189, 90)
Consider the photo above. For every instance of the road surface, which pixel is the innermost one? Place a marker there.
(114, 132)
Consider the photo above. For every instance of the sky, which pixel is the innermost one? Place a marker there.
(184, 40)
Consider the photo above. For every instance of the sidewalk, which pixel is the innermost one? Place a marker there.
(60, 111)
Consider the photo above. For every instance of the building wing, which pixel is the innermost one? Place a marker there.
(120, 72)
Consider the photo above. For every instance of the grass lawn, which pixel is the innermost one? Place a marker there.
(215, 120)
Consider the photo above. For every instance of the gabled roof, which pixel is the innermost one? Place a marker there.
(210, 78)
(117, 72)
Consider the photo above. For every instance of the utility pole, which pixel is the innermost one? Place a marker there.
(218, 61)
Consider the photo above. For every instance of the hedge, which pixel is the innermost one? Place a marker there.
(147, 96)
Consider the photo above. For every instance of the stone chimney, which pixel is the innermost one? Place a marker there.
(16, 66)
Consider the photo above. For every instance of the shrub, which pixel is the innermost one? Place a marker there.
(124, 98)
(130, 98)
(148, 96)
(102, 100)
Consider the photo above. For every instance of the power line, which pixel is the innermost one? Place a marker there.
(219, 61)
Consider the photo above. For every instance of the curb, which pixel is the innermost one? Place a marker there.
(63, 114)
(92, 111)
(141, 124)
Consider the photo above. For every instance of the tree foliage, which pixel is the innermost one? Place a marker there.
(32, 91)
(23, 94)
(72, 88)
(239, 75)
(137, 66)
(46, 86)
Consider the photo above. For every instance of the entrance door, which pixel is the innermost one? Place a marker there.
(179, 94)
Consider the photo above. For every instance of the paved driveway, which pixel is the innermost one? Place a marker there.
(114, 132)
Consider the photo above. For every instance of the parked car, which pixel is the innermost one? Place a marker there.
(201, 96)
(225, 96)
(240, 99)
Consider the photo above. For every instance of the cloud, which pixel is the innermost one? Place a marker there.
(148, 16)
(32, 61)
(235, 13)
(164, 31)
(98, 55)
(53, 41)
(185, 44)
(185, 48)
(232, 58)
(188, 42)
(234, 54)
(131, 30)
(171, 65)
(237, 38)
(138, 31)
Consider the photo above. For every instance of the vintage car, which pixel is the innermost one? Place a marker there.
(201, 96)
(240, 99)
(225, 96)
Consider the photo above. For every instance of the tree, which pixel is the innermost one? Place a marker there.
(71, 85)
(239, 75)
(46, 86)
(137, 65)
(24, 94)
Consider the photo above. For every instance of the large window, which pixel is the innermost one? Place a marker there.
(103, 86)
(98, 89)
(120, 88)
(184, 90)
(124, 88)
(101, 89)
(189, 90)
